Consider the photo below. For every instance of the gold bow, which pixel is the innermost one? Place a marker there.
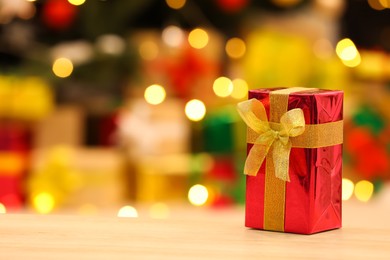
(277, 135)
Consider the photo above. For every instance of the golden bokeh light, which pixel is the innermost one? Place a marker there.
(376, 5)
(198, 195)
(43, 203)
(364, 190)
(176, 4)
(240, 89)
(385, 3)
(195, 110)
(3, 210)
(352, 63)
(127, 212)
(223, 87)
(62, 67)
(159, 211)
(198, 38)
(155, 94)
(173, 36)
(347, 189)
(76, 2)
(148, 50)
(235, 48)
(348, 53)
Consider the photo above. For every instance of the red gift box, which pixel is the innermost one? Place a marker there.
(308, 199)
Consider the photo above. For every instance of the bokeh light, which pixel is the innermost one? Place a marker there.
(173, 36)
(148, 50)
(111, 44)
(27, 13)
(385, 3)
(223, 87)
(176, 4)
(347, 189)
(62, 67)
(198, 38)
(76, 2)
(240, 89)
(127, 212)
(348, 53)
(364, 190)
(159, 211)
(376, 4)
(198, 195)
(3, 210)
(235, 48)
(155, 94)
(195, 110)
(43, 202)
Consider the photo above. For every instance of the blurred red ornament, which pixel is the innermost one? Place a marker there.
(373, 163)
(223, 170)
(358, 139)
(368, 153)
(232, 6)
(222, 201)
(58, 14)
(184, 70)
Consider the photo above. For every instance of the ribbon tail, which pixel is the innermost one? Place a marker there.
(281, 158)
(255, 158)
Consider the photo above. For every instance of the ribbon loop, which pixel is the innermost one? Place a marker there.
(292, 123)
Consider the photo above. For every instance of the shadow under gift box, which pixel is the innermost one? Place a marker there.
(313, 195)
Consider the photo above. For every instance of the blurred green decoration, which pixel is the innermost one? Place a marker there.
(368, 117)
(378, 185)
(223, 131)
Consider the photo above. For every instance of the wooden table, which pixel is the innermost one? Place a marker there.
(191, 233)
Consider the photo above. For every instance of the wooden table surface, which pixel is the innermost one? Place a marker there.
(191, 233)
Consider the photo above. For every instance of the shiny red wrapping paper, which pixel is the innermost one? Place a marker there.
(313, 196)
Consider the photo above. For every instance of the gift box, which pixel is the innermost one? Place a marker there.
(294, 159)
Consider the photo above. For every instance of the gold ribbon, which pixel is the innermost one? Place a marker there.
(272, 142)
(292, 124)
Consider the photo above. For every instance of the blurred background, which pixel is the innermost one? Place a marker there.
(110, 104)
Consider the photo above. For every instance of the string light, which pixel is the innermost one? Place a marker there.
(155, 94)
(76, 2)
(43, 202)
(176, 4)
(195, 110)
(240, 89)
(198, 38)
(222, 87)
(235, 48)
(127, 212)
(148, 50)
(364, 190)
(347, 189)
(198, 195)
(62, 67)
